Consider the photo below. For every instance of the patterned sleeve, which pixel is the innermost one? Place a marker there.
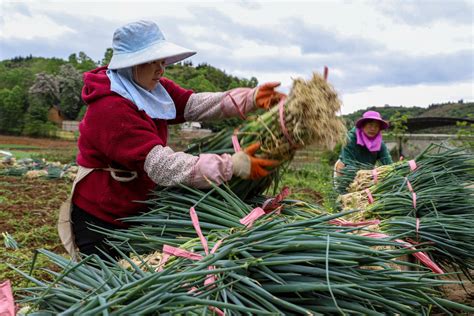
(168, 168)
(208, 106)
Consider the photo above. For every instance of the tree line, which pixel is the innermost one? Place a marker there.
(30, 86)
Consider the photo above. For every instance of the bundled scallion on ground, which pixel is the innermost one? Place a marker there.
(357, 176)
(276, 267)
(308, 116)
(439, 180)
(346, 176)
(428, 200)
(450, 237)
(168, 220)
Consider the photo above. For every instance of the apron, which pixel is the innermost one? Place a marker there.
(65, 231)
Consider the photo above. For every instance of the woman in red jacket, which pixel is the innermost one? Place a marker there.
(123, 152)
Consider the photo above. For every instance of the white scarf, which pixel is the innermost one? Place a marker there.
(156, 103)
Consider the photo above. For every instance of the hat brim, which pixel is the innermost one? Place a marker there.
(168, 51)
(360, 122)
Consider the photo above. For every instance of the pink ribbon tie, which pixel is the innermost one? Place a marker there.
(343, 222)
(419, 255)
(252, 217)
(235, 143)
(178, 252)
(375, 175)
(281, 111)
(369, 196)
(412, 165)
(273, 203)
(410, 188)
(417, 227)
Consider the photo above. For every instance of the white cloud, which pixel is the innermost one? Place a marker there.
(19, 26)
(275, 41)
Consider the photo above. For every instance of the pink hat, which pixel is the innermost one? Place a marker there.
(372, 115)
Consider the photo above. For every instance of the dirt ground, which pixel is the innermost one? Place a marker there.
(32, 204)
(34, 199)
(46, 143)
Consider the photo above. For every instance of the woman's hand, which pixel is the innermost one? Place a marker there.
(246, 166)
(266, 96)
(338, 167)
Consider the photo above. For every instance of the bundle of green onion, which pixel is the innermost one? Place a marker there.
(308, 116)
(347, 176)
(276, 267)
(357, 176)
(450, 237)
(438, 195)
(168, 220)
(440, 183)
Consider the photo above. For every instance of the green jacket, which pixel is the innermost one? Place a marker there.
(360, 154)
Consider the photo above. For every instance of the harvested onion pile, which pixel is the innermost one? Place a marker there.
(308, 116)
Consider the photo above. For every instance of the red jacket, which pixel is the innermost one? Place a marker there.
(115, 133)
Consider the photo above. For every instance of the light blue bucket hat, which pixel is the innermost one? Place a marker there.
(142, 42)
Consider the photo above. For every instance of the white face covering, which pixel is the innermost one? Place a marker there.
(157, 103)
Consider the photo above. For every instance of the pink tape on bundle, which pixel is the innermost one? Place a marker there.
(273, 203)
(281, 111)
(164, 258)
(375, 175)
(369, 196)
(413, 196)
(194, 218)
(252, 217)
(7, 303)
(419, 255)
(197, 227)
(216, 310)
(417, 228)
(410, 188)
(178, 252)
(343, 222)
(235, 143)
(412, 165)
(211, 278)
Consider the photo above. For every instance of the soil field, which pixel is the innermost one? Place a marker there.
(45, 143)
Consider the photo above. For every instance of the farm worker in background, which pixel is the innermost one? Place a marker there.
(123, 152)
(364, 143)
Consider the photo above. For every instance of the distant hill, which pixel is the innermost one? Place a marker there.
(451, 109)
(30, 86)
(459, 110)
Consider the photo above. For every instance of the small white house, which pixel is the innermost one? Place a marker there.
(70, 126)
(190, 126)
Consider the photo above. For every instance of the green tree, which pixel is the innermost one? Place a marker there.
(72, 59)
(70, 86)
(86, 63)
(201, 84)
(398, 122)
(465, 133)
(107, 57)
(82, 112)
(12, 109)
(46, 89)
(36, 119)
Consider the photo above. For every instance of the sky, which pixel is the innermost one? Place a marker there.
(408, 53)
